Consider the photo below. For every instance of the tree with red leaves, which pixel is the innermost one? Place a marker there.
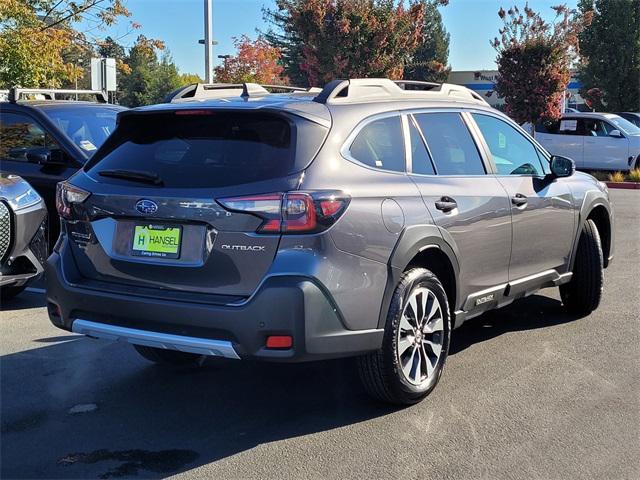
(322, 40)
(256, 62)
(534, 61)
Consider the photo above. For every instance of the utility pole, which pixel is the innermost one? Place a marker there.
(208, 43)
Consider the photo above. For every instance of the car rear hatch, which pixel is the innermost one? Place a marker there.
(180, 201)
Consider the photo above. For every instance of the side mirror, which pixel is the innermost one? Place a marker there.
(616, 134)
(45, 157)
(562, 166)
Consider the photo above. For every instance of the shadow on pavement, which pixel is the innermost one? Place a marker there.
(23, 301)
(529, 313)
(144, 420)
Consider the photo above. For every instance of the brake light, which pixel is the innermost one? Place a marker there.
(291, 212)
(194, 112)
(66, 196)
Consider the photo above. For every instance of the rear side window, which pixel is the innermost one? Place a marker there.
(19, 134)
(512, 153)
(380, 144)
(452, 148)
(201, 150)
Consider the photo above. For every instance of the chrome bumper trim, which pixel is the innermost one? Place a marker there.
(200, 346)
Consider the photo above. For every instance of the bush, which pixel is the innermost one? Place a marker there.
(616, 177)
(634, 175)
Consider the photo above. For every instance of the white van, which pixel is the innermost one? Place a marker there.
(595, 141)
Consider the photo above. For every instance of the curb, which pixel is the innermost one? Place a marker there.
(624, 185)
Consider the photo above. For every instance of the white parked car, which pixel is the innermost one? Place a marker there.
(594, 141)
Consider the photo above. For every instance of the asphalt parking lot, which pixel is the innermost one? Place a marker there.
(528, 392)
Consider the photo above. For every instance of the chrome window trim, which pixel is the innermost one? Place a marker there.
(408, 154)
(346, 146)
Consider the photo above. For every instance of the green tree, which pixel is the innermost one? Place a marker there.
(321, 40)
(189, 78)
(610, 50)
(534, 60)
(147, 79)
(39, 44)
(429, 61)
(165, 79)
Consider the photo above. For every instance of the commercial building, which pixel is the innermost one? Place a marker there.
(483, 82)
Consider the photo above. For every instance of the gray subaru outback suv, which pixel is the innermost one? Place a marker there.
(368, 219)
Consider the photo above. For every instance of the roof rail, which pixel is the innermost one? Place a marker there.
(359, 90)
(225, 90)
(17, 93)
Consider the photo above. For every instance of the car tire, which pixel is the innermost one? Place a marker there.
(166, 357)
(393, 374)
(7, 293)
(583, 293)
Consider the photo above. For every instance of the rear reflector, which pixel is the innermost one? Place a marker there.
(279, 341)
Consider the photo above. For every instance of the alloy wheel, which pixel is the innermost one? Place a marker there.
(420, 336)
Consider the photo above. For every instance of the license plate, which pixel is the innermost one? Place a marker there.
(160, 241)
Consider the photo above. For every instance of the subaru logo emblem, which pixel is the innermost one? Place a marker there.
(146, 206)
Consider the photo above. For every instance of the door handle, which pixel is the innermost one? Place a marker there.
(519, 200)
(446, 204)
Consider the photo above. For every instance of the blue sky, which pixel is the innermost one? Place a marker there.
(180, 24)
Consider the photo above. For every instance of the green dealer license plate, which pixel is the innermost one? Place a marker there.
(159, 241)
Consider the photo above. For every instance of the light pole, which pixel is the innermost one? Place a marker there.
(208, 37)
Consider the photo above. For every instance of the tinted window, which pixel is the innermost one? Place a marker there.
(512, 152)
(214, 150)
(626, 125)
(420, 159)
(20, 133)
(596, 128)
(450, 144)
(380, 145)
(631, 118)
(566, 126)
(87, 126)
(548, 126)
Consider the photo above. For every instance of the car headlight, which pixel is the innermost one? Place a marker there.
(28, 198)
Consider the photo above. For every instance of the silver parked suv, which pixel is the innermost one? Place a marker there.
(367, 219)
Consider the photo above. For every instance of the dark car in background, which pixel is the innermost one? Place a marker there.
(633, 117)
(47, 139)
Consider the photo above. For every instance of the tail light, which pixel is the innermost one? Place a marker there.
(66, 196)
(292, 212)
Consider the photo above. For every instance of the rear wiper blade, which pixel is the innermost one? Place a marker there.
(133, 175)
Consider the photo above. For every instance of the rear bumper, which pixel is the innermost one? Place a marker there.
(283, 305)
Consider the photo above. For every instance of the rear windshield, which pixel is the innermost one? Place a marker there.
(198, 150)
(87, 126)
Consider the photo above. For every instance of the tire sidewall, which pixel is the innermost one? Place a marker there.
(413, 279)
